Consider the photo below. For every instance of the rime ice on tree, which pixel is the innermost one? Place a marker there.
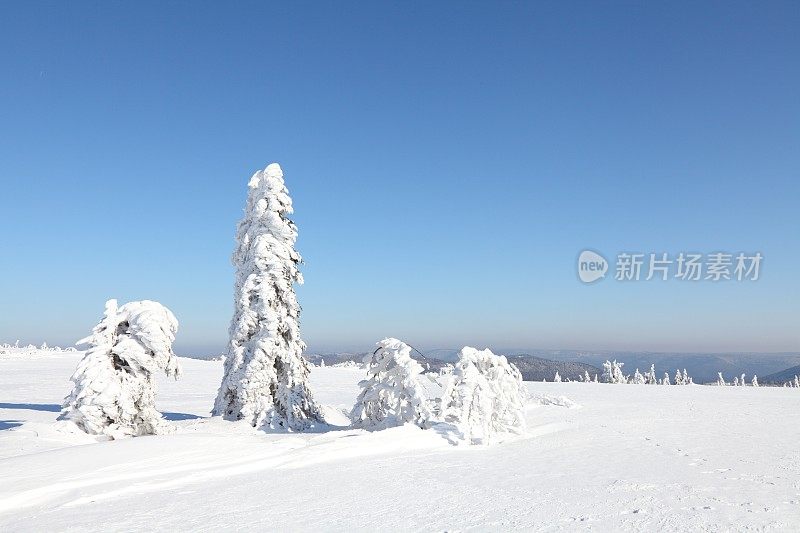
(393, 393)
(650, 377)
(486, 396)
(612, 372)
(266, 379)
(114, 384)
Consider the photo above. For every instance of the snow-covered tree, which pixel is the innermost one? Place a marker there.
(797, 382)
(638, 378)
(612, 372)
(265, 378)
(735, 381)
(393, 393)
(486, 396)
(665, 381)
(678, 378)
(650, 377)
(596, 380)
(114, 385)
(742, 381)
(586, 377)
(557, 378)
(720, 380)
(755, 381)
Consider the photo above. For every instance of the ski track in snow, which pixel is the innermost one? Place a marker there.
(631, 458)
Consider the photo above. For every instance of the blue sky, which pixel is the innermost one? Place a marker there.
(448, 163)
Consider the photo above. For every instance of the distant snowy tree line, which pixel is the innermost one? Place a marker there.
(612, 373)
(6, 348)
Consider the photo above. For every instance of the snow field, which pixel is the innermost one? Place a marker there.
(632, 458)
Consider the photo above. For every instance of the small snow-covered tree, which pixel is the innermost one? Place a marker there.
(638, 378)
(755, 381)
(486, 396)
(797, 382)
(665, 381)
(586, 377)
(114, 385)
(612, 372)
(265, 378)
(393, 393)
(742, 381)
(720, 380)
(651, 376)
(735, 381)
(557, 378)
(678, 378)
(596, 380)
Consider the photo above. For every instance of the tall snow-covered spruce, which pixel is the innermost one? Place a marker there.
(114, 384)
(394, 392)
(265, 380)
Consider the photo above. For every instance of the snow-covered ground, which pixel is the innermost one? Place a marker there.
(627, 457)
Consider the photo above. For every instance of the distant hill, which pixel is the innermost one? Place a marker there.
(538, 364)
(703, 367)
(536, 368)
(779, 378)
(333, 358)
(531, 367)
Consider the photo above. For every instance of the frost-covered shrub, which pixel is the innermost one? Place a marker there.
(265, 378)
(612, 372)
(394, 392)
(562, 401)
(755, 381)
(638, 378)
(446, 370)
(650, 377)
(485, 397)
(114, 385)
(665, 381)
(348, 364)
(721, 380)
(557, 377)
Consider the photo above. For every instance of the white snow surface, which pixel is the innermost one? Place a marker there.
(630, 459)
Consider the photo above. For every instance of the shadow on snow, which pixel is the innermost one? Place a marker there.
(49, 407)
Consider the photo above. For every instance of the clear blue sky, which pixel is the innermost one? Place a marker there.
(448, 162)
